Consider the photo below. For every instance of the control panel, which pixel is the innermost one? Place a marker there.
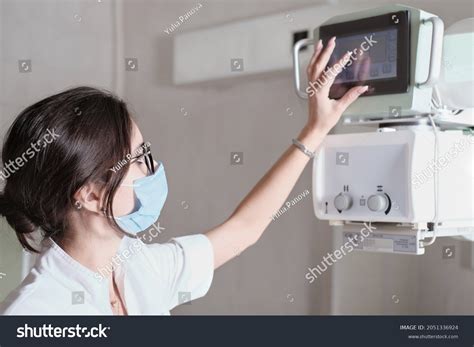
(389, 177)
(363, 180)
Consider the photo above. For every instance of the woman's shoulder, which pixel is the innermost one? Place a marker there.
(29, 297)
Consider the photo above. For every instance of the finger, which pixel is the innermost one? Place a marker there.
(317, 50)
(332, 72)
(350, 96)
(323, 58)
(364, 69)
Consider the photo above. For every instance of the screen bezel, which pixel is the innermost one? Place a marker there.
(393, 85)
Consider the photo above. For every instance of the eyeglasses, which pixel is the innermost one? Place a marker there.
(145, 157)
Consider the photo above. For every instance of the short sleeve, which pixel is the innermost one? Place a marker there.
(188, 265)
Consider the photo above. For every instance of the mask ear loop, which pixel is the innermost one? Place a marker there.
(124, 232)
(104, 212)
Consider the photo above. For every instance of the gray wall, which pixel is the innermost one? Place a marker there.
(244, 115)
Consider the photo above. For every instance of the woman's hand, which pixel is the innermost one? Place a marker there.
(324, 112)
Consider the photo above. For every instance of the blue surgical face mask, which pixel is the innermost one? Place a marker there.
(151, 192)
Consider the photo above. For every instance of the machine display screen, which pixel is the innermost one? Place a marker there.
(379, 53)
(373, 56)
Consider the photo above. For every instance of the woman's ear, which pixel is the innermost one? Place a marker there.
(89, 197)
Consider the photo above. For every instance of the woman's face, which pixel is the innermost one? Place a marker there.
(125, 201)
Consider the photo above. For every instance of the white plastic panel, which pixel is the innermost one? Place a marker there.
(400, 164)
(361, 167)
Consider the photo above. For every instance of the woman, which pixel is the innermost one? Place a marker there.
(77, 167)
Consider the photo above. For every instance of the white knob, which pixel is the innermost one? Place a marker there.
(343, 202)
(377, 202)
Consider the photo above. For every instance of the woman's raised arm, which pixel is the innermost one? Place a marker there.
(250, 219)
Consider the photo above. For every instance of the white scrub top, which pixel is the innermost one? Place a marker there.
(151, 278)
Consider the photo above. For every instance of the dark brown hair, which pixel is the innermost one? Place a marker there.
(93, 129)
